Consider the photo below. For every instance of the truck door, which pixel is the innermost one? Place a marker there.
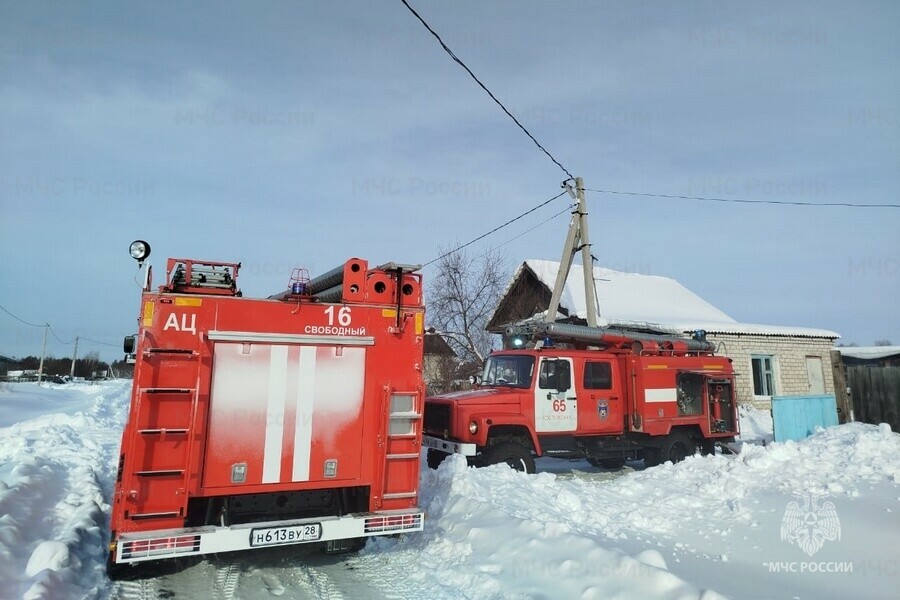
(555, 402)
(601, 405)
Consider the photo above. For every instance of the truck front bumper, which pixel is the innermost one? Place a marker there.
(170, 543)
(449, 446)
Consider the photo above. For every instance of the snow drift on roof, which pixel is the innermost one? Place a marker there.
(869, 352)
(651, 302)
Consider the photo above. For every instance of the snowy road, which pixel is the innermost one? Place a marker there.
(571, 531)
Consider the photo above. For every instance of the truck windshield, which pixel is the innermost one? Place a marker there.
(512, 371)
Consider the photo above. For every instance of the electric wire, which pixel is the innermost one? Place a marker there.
(58, 339)
(495, 229)
(530, 229)
(20, 319)
(52, 332)
(81, 337)
(484, 87)
(744, 201)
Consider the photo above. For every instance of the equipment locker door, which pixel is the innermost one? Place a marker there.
(283, 413)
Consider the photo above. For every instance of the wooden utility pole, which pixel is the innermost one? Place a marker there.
(43, 351)
(74, 357)
(576, 239)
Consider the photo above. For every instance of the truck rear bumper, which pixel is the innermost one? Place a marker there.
(449, 446)
(170, 543)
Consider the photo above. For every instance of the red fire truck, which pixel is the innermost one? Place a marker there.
(599, 393)
(262, 422)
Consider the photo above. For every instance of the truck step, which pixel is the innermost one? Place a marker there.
(163, 431)
(403, 456)
(184, 351)
(395, 495)
(160, 473)
(156, 515)
(163, 390)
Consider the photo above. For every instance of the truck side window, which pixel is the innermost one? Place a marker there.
(555, 375)
(597, 376)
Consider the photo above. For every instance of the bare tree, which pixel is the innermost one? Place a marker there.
(883, 342)
(462, 298)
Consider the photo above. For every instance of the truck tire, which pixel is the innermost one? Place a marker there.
(515, 455)
(651, 457)
(676, 447)
(607, 463)
(434, 458)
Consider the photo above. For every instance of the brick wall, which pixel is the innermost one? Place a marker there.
(789, 354)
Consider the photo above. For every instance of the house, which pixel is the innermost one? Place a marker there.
(769, 360)
(6, 363)
(441, 364)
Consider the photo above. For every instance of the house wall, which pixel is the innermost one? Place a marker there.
(789, 355)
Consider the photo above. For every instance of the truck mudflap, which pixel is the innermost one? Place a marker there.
(171, 543)
(449, 446)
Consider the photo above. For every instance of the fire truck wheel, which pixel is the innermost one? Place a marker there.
(651, 457)
(515, 455)
(676, 448)
(435, 458)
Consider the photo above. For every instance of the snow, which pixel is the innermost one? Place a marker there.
(868, 352)
(707, 528)
(634, 300)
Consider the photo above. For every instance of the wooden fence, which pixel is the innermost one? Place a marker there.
(875, 393)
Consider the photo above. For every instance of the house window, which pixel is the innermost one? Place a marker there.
(597, 376)
(763, 375)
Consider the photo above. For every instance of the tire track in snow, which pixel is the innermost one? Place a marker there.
(144, 589)
(226, 581)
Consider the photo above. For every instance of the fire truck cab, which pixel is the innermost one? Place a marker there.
(261, 422)
(656, 399)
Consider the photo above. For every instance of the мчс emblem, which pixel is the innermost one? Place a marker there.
(808, 525)
(602, 409)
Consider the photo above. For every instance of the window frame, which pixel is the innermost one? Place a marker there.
(768, 376)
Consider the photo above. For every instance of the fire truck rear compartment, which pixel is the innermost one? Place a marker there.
(257, 508)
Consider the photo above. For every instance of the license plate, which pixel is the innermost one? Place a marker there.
(271, 536)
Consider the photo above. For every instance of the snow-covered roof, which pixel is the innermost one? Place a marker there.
(642, 301)
(868, 352)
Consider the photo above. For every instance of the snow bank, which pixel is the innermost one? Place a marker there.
(756, 425)
(54, 484)
(665, 532)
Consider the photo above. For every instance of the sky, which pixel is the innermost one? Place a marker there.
(299, 134)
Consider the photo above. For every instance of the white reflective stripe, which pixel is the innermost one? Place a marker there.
(303, 424)
(660, 395)
(275, 415)
(289, 338)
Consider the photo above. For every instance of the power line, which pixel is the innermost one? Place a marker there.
(484, 87)
(53, 333)
(58, 338)
(530, 229)
(21, 320)
(496, 229)
(742, 201)
(81, 337)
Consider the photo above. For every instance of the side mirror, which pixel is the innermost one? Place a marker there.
(475, 379)
(128, 344)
